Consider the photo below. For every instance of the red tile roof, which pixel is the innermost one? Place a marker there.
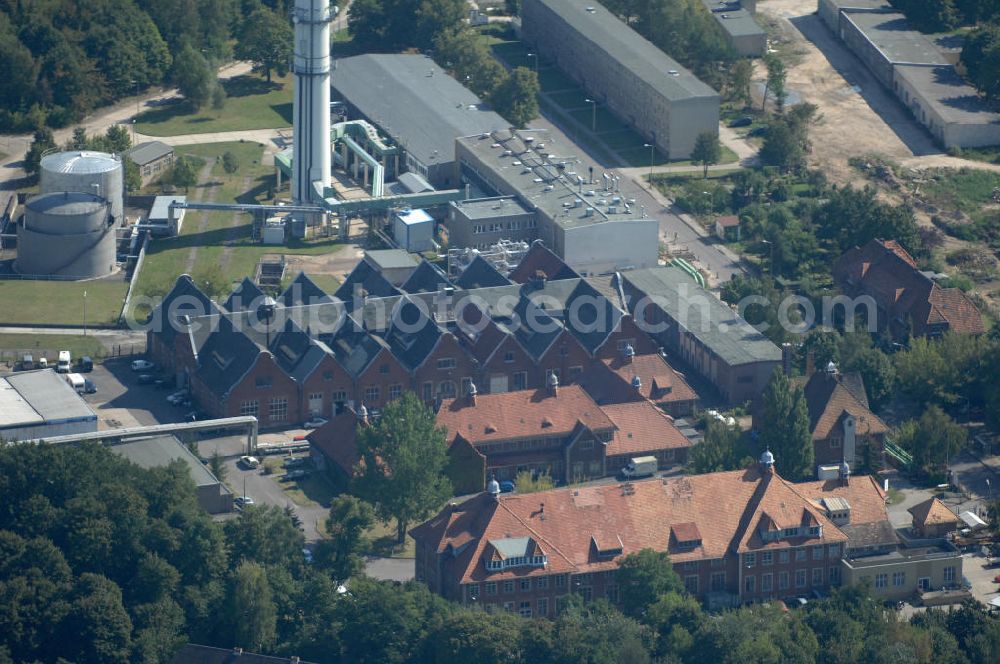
(521, 414)
(829, 396)
(932, 512)
(729, 221)
(337, 440)
(863, 493)
(642, 427)
(611, 381)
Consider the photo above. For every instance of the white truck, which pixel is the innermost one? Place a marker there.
(64, 362)
(637, 467)
(77, 382)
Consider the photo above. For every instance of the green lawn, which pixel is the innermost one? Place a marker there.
(13, 346)
(251, 103)
(61, 302)
(988, 155)
(968, 189)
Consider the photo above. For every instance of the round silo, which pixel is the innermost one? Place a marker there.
(97, 173)
(67, 234)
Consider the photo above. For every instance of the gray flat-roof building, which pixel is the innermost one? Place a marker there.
(594, 232)
(736, 19)
(411, 99)
(482, 222)
(916, 70)
(637, 81)
(159, 451)
(41, 404)
(160, 218)
(702, 330)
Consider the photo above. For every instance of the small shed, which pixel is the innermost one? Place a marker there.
(727, 227)
(932, 518)
(413, 230)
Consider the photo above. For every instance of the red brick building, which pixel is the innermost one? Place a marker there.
(629, 377)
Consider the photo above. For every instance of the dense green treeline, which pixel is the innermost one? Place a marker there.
(101, 561)
(61, 59)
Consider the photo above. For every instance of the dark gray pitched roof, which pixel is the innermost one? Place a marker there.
(427, 278)
(225, 354)
(411, 334)
(370, 280)
(184, 299)
(590, 316)
(480, 273)
(244, 296)
(353, 347)
(296, 352)
(537, 330)
(541, 260)
(145, 153)
(303, 290)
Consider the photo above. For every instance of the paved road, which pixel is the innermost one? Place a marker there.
(105, 335)
(390, 569)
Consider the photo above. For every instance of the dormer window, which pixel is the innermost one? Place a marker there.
(686, 536)
(511, 552)
(815, 531)
(790, 532)
(607, 547)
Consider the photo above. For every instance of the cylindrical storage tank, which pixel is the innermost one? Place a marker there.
(97, 173)
(67, 234)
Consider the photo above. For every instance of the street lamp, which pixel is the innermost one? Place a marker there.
(652, 152)
(770, 246)
(136, 84)
(84, 313)
(593, 114)
(534, 57)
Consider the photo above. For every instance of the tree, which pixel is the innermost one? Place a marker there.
(185, 173)
(402, 461)
(133, 176)
(740, 79)
(462, 53)
(436, 16)
(643, 577)
(253, 612)
(722, 449)
(266, 39)
(97, 627)
(853, 217)
(707, 151)
(527, 482)
(929, 15)
(230, 162)
(933, 439)
(784, 428)
(775, 85)
(194, 76)
(857, 353)
(516, 98)
(218, 466)
(981, 59)
(342, 554)
(118, 139)
(264, 534)
(781, 147)
(44, 140)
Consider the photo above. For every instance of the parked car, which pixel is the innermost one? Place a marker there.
(177, 397)
(243, 501)
(314, 423)
(758, 131)
(142, 365)
(297, 474)
(292, 462)
(745, 121)
(249, 462)
(507, 486)
(146, 379)
(89, 387)
(86, 364)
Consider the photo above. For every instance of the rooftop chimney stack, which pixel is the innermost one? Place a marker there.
(311, 99)
(553, 384)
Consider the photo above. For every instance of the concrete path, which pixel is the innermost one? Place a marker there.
(273, 139)
(205, 191)
(105, 335)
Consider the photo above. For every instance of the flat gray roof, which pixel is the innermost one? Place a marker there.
(161, 451)
(391, 258)
(413, 100)
(859, 4)
(738, 22)
(539, 181)
(488, 208)
(161, 207)
(35, 397)
(145, 153)
(891, 34)
(954, 99)
(704, 315)
(608, 33)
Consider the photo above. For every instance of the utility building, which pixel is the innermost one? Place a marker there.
(41, 404)
(641, 84)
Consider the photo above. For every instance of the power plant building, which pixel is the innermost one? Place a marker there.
(415, 102)
(637, 81)
(593, 231)
(66, 234)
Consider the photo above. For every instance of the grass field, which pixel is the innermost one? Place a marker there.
(251, 103)
(13, 346)
(968, 189)
(61, 302)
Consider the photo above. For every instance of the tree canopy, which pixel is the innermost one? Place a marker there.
(784, 428)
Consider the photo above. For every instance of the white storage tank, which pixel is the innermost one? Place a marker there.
(85, 171)
(67, 234)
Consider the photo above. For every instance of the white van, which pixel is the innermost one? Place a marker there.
(638, 467)
(64, 362)
(77, 382)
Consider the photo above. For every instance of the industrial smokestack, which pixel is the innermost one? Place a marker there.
(311, 108)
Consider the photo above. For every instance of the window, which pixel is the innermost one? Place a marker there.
(817, 579)
(383, 369)
(491, 587)
(790, 532)
(473, 591)
(782, 580)
(395, 391)
(691, 584)
(542, 583)
(611, 593)
(834, 575)
(749, 559)
(835, 443)
(718, 581)
(525, 585)
(898, 579)
(587, 593)
(340, 396)
(800, 578)
(543, 606)
(508, 357)
(749, 584)
(277, 409)
(428, 391)
(833, 551)
(249, 408)
(815, 531)
(949, 575)
(263, 382)
(766, 558)
(446, 389)
(327, 375)
(587, 444)
(508, 586)
(561, 581)
(766, 582)
(783, 557)
(575, 371)
(525, 610)
(881, 581)
(800, 554)
(372, 394)
(508, 607)
(520, 380)
(446, 363)
(817, 553)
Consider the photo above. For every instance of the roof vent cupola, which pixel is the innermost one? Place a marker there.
(767, 461)
(493, 488)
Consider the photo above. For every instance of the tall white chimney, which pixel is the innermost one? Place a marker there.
(311, 109)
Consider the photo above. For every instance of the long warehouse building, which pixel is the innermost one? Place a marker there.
(637, 81)
(40, 404)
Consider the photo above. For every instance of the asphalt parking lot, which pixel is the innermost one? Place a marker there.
(121, 401)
